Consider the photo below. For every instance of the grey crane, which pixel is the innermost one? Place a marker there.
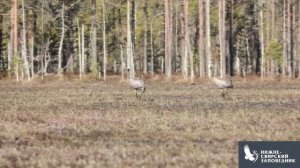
(222, 84)
(137, 85)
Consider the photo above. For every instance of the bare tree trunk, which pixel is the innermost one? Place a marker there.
(298, 41)
(82, 51)
(208, 42)
(292, 39)
(15, 37)
(104, 43)
(284, 54)
(79, 51)
(145, 67)
(61, 42)
(231, 52)
(1, 42)
(94, 65)
(9, 55)
(43, 59)
(187, 49)
(176, 38)
(152, 49)
(130, 61)
(122, 62)
(183, 46)
(24, 47)
(133, 37)
(201, 40)
(262, 45)
(32, 55)
(222, 32)
(273, 20)
(168, 42)
(237, 59)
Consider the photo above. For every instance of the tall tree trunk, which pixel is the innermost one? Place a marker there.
(79, 51)
(222, 36)
(130, 61)
(289, 38)
(15, 38)
(231, 54)
(61, 42)
(183, 46)
(273, 20)
(201, 40)
(208, 41)
(83, 56)
(10, 53)
(152, 49)
(145, 67)
(104, 43)
(122, 62)
(292, 38)
(298, 41)
(187, 49)
(284, 52)
(237, 59)
(175, 40)
(32, 55)
(262, 71)
(1, 42)
(94, 65)
(43, 59)
(168, 41)
(24, 46)
(133, 36)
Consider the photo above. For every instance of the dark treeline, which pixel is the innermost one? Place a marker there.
(184, 37)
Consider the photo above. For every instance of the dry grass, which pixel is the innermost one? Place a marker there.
(101, 124)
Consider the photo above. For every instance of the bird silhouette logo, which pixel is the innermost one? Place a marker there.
(250, 156)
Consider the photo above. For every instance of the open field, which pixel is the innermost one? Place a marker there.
(101, 124)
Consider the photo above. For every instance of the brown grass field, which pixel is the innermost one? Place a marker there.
(72, 123)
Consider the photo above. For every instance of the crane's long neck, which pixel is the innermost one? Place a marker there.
(129, 74)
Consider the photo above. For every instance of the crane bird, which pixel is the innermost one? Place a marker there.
(137, 85)
(222, 84)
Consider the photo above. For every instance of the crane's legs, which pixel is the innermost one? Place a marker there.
(223, 93)
(139, 97)
(143, 90)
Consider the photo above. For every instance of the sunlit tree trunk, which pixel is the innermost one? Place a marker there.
(94, 65)
(24, 46)
(201, 40)
(152, 49)
(104, 43)
(292, 39)
(208, 41)
(130, 61)
(231, 53)
(145, 67)
(262, 45)
(284, 52)
(60, 49)
(1, 42)
(122, 62)
(222, 38)
(15, 38)
(168, 41)
(79, 50)
(83, 56)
